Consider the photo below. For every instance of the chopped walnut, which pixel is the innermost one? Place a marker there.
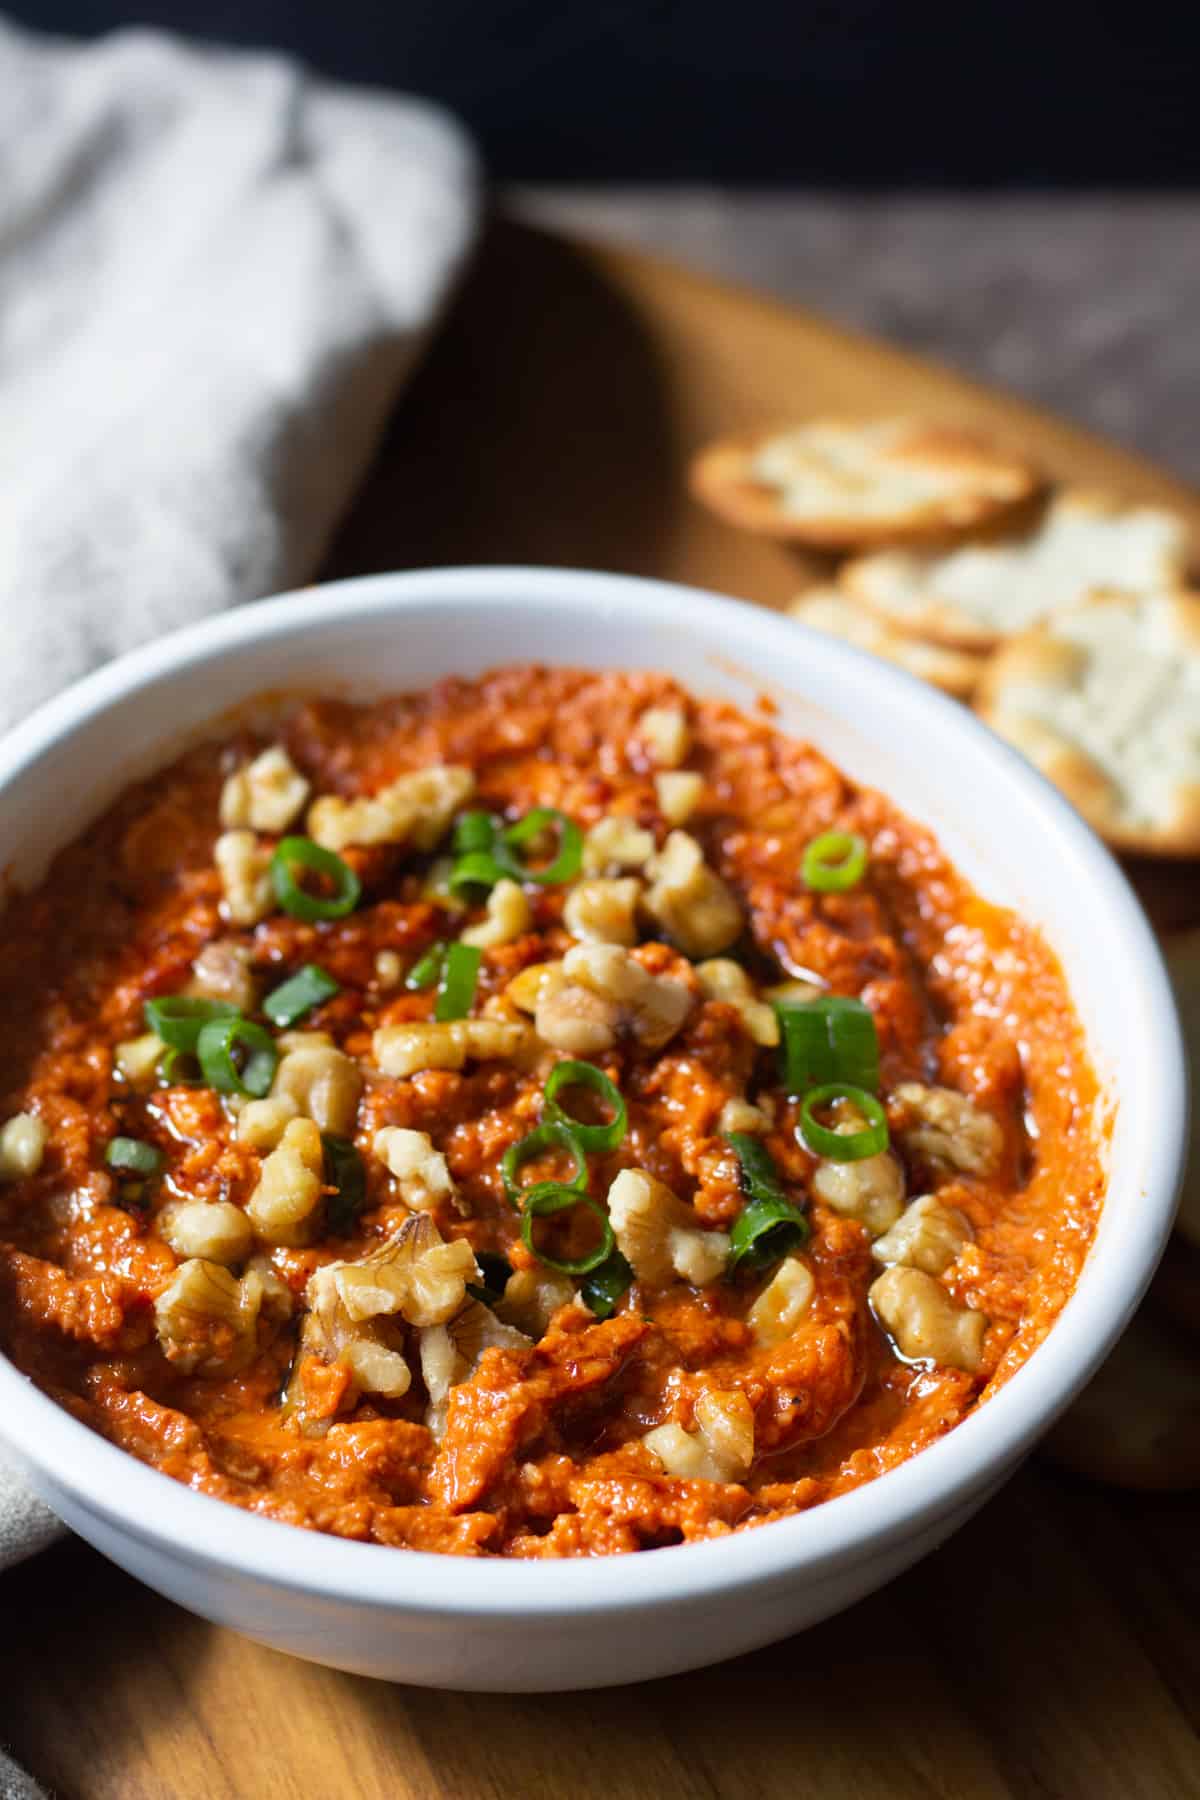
(659, 1235)
(924, 1322)
(216, 1230)
(22, 1146)
(782, 1303)
(738, 1114)
(927, 1236)
(415, 809)
(407, 1049)
(261, 1123)
(533, 1296)
(244, 866)
(206, 1318)
(450, 1354)
(722, 979)
(666, 735)
(223, 971)
(421, 1173)
(614, 843)
(870, 1190)
(368, 1348)
(137, 1059)
(721, 1448)
(285, 1206)
(388, 968)
(603, 911)
(948, 1129)
(607, 991)
(278, 1301)
(267, 794)
(509, 916)
(691, 902)
(414, 1274)
(679, 793)
(324, 1084)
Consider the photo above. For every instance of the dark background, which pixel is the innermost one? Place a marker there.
(969, 93)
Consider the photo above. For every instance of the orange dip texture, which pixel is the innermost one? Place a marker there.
(537, 1448)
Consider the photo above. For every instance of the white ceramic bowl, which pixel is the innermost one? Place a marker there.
(451, 1622)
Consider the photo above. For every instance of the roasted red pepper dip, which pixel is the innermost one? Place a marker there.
(826, 1178)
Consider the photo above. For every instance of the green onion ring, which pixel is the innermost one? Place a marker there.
(473, 831)
(456, 989)
(565, 866)
(837, 1146)
(346, 1174)
(835, 862)
(545, 1199)
(178, 1018)
(586, 1075)
(476, 868)
(769, 1226)
(132, 1156)
(424, 973)
(307, 988)
(607, 1284)
(300, 853)
(554, 1134)
(215, 1050)
(832, 1038)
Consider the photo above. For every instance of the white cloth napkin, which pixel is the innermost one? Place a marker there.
(215, 273)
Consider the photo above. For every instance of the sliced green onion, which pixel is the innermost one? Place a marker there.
(178, 1019)
(237, 1056)
(292, 999)
(473, 831)
(606, 1285)
(566, 864)
(839, 1146)
(769, 1226)
(133, 1157)
(478, 868)
(829, 1039)
(555, 1134)
(496, 1270)
(456, 989)
(835, 862)
(587, 1075)
(424, 973)
(546, 1199)
(179, 1068)
(346, 1174)
(296, 855)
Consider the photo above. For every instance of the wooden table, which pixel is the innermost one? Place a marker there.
(1052, 1647)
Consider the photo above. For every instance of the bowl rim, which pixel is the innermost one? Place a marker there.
(132, 1498)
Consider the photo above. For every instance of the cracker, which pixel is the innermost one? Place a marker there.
(1137, 1423)
(827, 609)
(975, 596)
(841, 484)
(1105, 701)
(1183, 962)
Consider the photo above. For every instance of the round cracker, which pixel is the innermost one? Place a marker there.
(1183, 962)
(1137, 1423)
(1105, 701)
(976, 596)
(840, 484)
(827, 609)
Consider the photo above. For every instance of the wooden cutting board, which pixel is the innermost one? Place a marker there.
(1053, 1646)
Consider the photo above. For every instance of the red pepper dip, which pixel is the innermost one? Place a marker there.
(542, 1116)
